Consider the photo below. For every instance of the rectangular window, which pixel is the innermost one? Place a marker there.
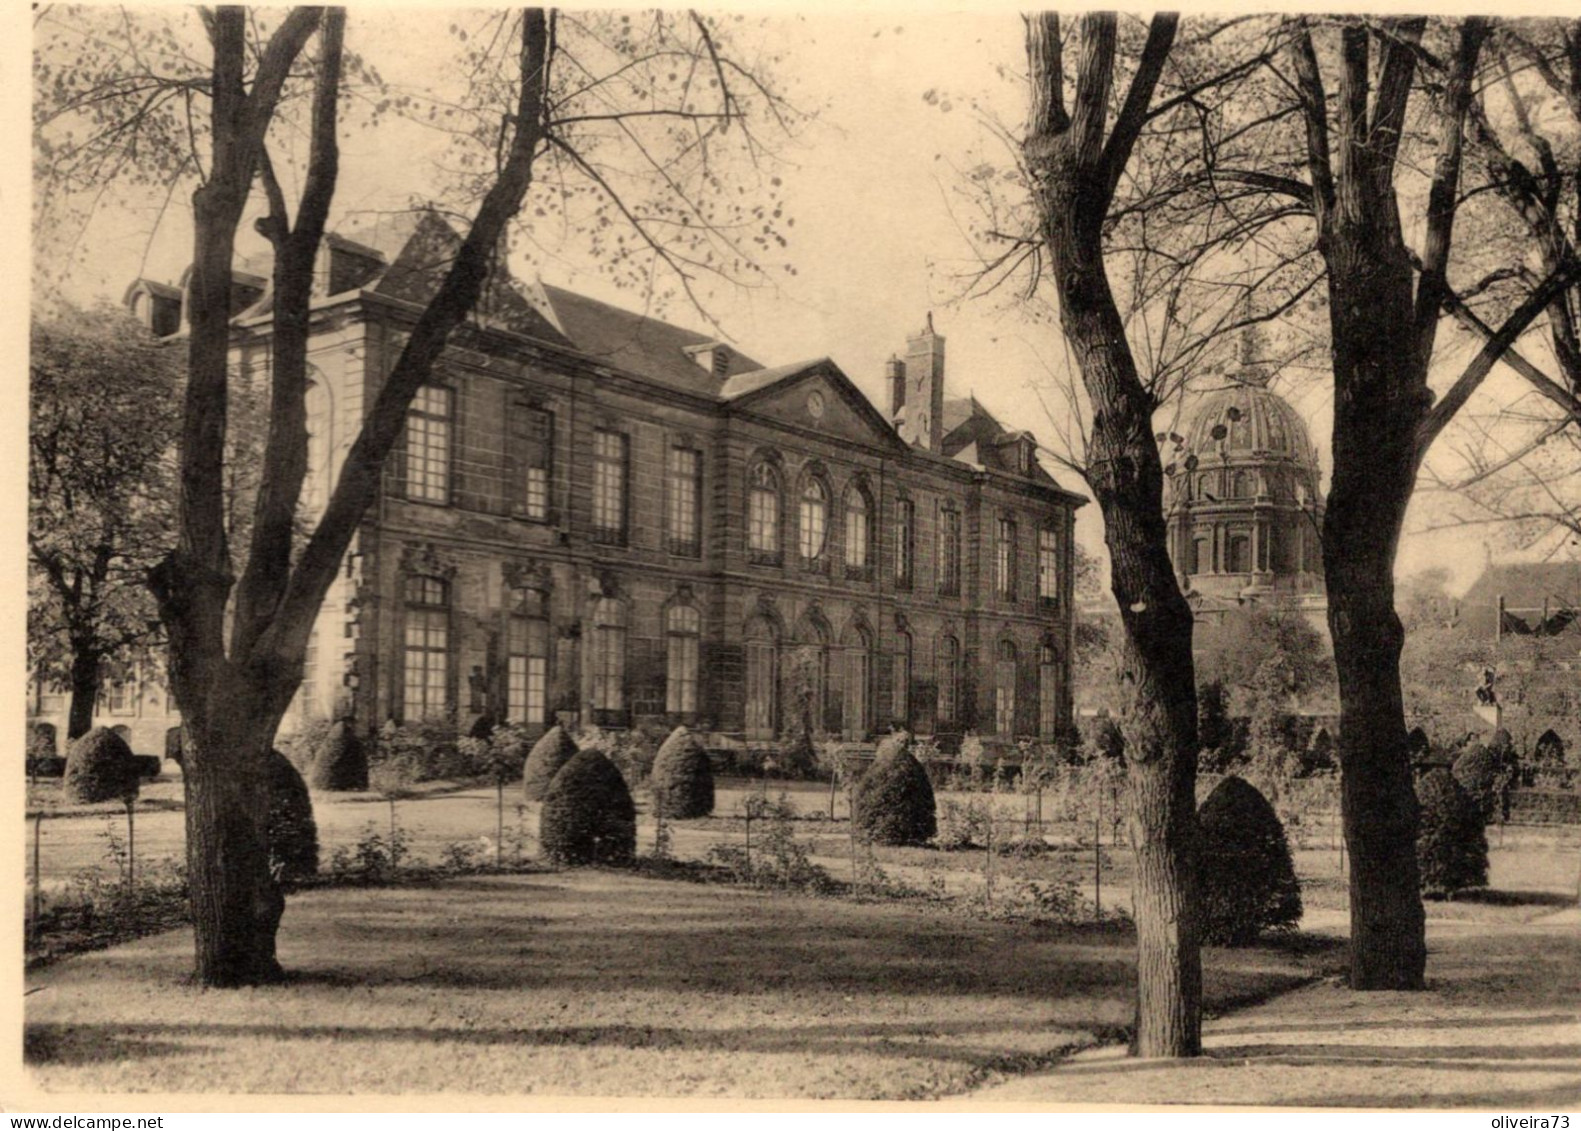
(947, 656)
(307, 694)
(682, 624)
(685, 473)
(1005, 698)
(902, 687)
(609, 668)
(1005, 559)
(950, 552)
(609, 486)
(531, 460)
(1048, 565)
(427, 449)
(527, 671)
(426, 666)
(120, 697)
(1048, 695)
(905, 543)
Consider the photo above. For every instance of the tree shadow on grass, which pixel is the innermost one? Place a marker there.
(1498, 897)
(77, 1044)
(1561, 1096)
(1480, 1022)
(74, 1045)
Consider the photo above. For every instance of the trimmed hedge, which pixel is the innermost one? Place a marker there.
(544, 761)
(100, 766)
(341, 761)
(588, 816)
(293, 834)
(1246, 877)
(683, 778)
(1486, 774)
(173, 746)
(1451, 841)
(893, 803)
(148, 766)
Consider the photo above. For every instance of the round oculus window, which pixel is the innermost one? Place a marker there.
(815, 404)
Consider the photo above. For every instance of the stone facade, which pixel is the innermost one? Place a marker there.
(599, 518)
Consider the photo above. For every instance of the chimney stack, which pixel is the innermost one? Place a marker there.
(895, 373)
(923, 380)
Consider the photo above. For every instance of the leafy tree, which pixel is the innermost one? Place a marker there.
(103, 416)
(605, 107)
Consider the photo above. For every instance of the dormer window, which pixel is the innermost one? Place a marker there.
(712, 356)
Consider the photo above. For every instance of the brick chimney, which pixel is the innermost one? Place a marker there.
(895, 373)
(923, 381)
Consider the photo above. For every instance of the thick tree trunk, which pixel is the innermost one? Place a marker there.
(1160, 726)
(1380, 397)
(84, 693)
(236, 901)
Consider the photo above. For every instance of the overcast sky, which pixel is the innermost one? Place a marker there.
(878, 240)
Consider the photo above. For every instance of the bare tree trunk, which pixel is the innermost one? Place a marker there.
(1373, 481)
(1074, 171)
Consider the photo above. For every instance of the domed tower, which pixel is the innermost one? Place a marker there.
(1242, 503)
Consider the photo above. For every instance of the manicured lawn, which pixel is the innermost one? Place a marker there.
(608, 983)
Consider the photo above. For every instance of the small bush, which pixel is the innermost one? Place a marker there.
(1247, 881)
(683, 778)
(303, 743)
(148, 766)
(173, 748)
(893, 803)
(341, 761)
(1451, 842)
(100, 767)
(1487, 776)
(548, 754)
(963, 826)
(588, 816)
(293, 835)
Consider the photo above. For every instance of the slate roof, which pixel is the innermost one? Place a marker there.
(639, 344)
(743, 383)
(1525, 586)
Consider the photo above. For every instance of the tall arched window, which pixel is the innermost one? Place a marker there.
(901, 687)
(609, 657)
(425, 669)
(682, 636)
(1005, 689)
(762, 679)
(1048, 691)
(947, 657)
(905, 543)
(858, 530)
(763, 513)
(814, 520)
(1240, 553)
(527, 662)
(858, 682)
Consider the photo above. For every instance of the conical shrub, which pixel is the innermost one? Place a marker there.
(548, 754)
(588, 816)
(293, 834)
(100, 766)
(1452, 839)
(1247, 879)
(341, 760)
(894, 800)
(683, 778)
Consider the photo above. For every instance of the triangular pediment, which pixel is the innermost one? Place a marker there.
(814, 395)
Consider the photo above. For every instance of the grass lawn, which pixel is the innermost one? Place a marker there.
(609, 983)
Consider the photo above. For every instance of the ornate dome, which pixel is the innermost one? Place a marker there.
(1248, 420)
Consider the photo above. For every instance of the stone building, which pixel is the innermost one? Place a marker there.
(597, 517)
